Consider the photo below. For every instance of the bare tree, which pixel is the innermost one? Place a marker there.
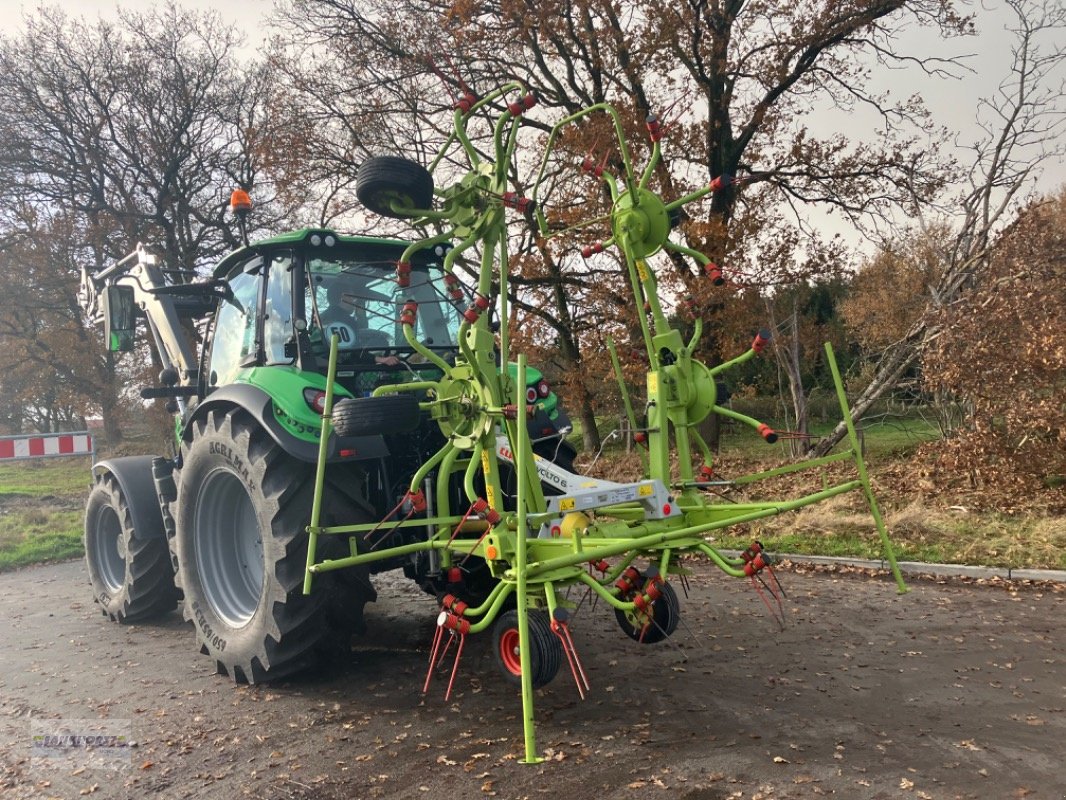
(115, 134)
(788, 353)
(137, 126)
(733, 81)
(1022, 122)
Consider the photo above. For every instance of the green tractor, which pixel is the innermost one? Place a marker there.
(221, 525)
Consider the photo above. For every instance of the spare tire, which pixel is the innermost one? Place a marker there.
(384, 182)
(363, 416)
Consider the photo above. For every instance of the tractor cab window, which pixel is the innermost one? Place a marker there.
(278, 341)
(359, 300)
(438, 316)
(234, 341)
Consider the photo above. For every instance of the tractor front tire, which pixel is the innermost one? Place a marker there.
(388, 186)
(240, 549)
(132, 577)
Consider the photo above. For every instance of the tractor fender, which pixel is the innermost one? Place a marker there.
(260, 405)
(134, 477)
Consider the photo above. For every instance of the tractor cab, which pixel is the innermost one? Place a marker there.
(287, 296)
(290, 294)
(355, 296)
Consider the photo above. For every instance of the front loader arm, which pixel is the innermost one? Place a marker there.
(139, 274)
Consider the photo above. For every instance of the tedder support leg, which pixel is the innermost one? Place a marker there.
(320, 468)
(522, 450)
(860, 464)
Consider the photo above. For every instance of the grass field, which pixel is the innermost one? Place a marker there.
(918, 533)
(58, 477)
(41, 510)
(921, 530)
(41, 505)
(886, 437)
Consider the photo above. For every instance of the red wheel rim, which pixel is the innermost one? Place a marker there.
(509, 651)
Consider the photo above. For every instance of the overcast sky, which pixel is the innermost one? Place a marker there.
(951, 101)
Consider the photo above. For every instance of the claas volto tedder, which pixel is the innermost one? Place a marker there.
(506, 559)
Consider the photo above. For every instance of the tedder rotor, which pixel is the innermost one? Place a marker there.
(587, 532)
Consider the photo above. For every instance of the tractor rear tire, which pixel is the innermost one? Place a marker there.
(666, 613)
(545, 649)
(240, 549)
(132, 577)
(363, 416)
(386, 180)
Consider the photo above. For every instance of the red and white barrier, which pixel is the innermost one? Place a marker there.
(46, 445)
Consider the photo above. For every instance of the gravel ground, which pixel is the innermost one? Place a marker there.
(955, 690)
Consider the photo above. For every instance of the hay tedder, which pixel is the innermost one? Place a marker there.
(623, 542)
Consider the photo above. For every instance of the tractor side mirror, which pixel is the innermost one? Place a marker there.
(120, 318)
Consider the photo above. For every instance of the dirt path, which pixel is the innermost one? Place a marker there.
(953, 690)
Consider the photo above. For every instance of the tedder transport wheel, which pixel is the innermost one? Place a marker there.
(385, 180)
(240, 548)
(363, 416)
(546, 651)
(132, 577)
(666, 611)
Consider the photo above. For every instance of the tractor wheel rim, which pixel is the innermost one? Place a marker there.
(229, 548)
(110, 553)
(510, 653)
